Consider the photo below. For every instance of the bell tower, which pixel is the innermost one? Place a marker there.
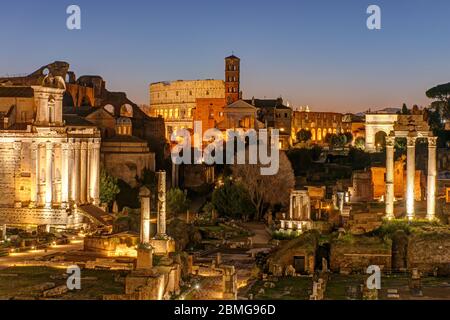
(232, 79)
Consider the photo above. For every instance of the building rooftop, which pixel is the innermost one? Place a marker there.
(74, 120)
(268, 103)
(16, 92)
(124, 138)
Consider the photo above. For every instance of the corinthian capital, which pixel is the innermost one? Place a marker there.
(411, 141)
(432, 141)
(390, 141)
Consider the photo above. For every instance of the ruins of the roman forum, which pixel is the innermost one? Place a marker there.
(87, 180)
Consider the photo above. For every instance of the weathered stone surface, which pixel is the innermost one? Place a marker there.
(55, 292)
(290, 271)
(41, 287)
(356, 253)
(305, 246)
(430, 251)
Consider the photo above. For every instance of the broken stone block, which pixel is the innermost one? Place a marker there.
(270, 285)
(290, 271)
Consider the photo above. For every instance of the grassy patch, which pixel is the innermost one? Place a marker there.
(416, 227)
(278, 235)
(338, 286)
(295, 288)
(91, 289)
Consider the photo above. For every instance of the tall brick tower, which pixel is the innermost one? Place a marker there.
(232, 78)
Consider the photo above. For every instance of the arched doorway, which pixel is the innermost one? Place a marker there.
(380, 140)
(68, 100)
(85, 102)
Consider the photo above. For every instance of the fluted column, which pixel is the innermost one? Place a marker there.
(83, 173)
(48, 175)
(431, 183)
(64, 174)
(390, 142)
(410, 176)
(34, 175)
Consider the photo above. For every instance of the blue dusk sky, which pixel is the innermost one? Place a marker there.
(311, 52)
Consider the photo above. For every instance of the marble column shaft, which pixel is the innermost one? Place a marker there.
(390, 142)
(145, 215)
(431, 180)
(161, 227)
(83, 173)
(48, 175)
(76, 174)
(34, 175)
(64, 174)
(410, 176)
(94, 173)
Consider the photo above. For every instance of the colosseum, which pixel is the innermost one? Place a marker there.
(174, 101)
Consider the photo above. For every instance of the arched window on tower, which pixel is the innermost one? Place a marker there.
(51, 109)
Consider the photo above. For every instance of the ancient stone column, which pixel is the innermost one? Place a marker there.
(308, 207)
(431, 183)
(76, 173)
(410, 176)
(64, 174)
(48, 175)
(161, 228)
(90, 153)
(390, 142)
(291, 204)
(95, 173)
(83, 172)
(298, 207)
(34, 175)
(72, 195)
(145, 214)
(229, 283)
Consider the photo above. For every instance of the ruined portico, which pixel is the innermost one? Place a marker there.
(411, 127)
(299, 218)
(49, 162)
